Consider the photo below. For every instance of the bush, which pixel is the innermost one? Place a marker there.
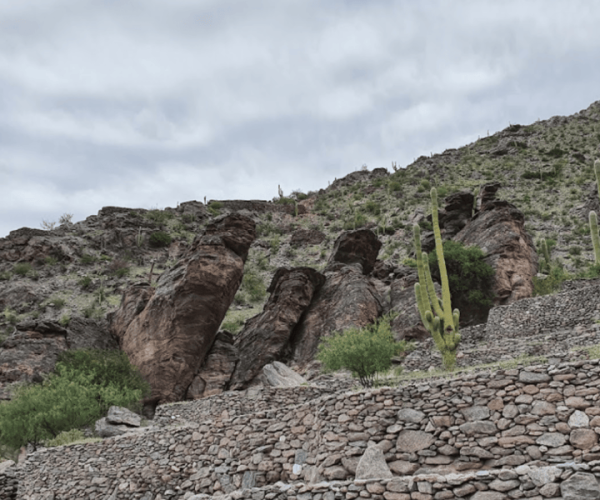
(87, 259)
(364, 351)
(551, 283)
(160, 239)
(469, 276)
(85, 282)
(254, 287)
(81, 389)
(22, 268)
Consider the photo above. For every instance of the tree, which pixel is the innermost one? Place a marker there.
(81, 389)
(364, 351)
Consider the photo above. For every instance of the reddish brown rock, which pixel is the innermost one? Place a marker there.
(133, 301)
(267, 335)
(170, 338)
(307, 237)
(347, 299)
(360, 246)
(498, 229)
(29, 245)
(215, 372)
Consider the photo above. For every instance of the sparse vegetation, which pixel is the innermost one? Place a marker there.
(160, 239)
(22, 268)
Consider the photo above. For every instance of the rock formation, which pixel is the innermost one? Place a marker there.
(267, 335)
(170, 338)
(498, 229)
(360, 246)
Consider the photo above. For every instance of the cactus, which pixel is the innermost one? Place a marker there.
(437, 314)
(594, 220)
(595, 239)
(545, 251)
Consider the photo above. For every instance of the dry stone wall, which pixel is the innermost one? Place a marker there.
(578, 307)
(478, 423)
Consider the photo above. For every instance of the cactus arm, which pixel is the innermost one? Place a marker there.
(439, 249)
(595, 239)
(435, 301)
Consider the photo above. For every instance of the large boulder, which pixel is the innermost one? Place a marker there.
(216, 370)
(170, 338)
(498, 228)
(347, 299)
(267, 335)
(355, 247)
(277, 374)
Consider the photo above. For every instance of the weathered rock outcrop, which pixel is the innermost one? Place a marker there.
(360, 246)
(267, 335)
(347, 299)
(452, 218)
(498, 229)
(170, 338)
(216, 370)
(33, 349)
(30, 245)
(307, 237)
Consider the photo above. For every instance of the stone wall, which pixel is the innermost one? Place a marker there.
(536, 416)
(580, 306)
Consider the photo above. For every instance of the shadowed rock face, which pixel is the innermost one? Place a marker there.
(347, 299)
(452, 218)
(267, 335)
(170, 338)
(361, 246)
(215, 372)
(498, 229)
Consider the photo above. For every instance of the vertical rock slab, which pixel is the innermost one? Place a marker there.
(360, 246)
(215, 372)
(499, 230)
(170, 338)
(347, 299)
(267, 335)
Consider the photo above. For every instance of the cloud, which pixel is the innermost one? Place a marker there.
(144, 103)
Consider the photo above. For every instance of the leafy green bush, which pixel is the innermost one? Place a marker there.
(81, 389)
(470, 277)
(85, 282)
(160, 239)
(159, 217)
(373, 207)
(22, 268)
(253, 287)
(551, 283)
(364, 351)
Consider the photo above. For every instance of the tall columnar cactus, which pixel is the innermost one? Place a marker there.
(594, 219)
(545, 252)
(595, 239)
(436, 314)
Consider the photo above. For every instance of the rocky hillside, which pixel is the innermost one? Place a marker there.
(57, 286)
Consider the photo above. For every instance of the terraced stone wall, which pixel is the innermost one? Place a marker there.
(538, 416)
(578, 307)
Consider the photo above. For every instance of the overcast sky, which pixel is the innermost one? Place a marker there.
(147, 103)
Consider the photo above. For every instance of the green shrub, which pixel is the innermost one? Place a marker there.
(22, 268)
(253, 287)
(4, 276)
(159, 217)
(58, 302)
(85, 282)
(11, 316)
(50, 261)
(364, 351)
(575, 250)
(373, 207)
(87, 259)
(551, 283)
(160, 239)
(81, 389)
(65, 437)
(469, 276)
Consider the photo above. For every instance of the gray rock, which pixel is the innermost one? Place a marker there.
(410, 415)
(478, 427)
(543, 475)
(104, 429)
(552, 439)
(372, 465)
(533, 377)
(411, 441)
(476, 413)
(249, 480)
(580, 486)
(118, 415)
(277, 374)
(578, 419)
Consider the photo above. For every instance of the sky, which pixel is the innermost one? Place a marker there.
(148, 103)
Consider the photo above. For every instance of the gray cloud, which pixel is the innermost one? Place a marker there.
(147, 103)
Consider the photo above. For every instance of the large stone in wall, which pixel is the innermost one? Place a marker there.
(498, 228)
(347, 299)
(170, 338)
(266, 336)
(216, 370)
(360, 246)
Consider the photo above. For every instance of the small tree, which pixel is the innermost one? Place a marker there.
(364, 351)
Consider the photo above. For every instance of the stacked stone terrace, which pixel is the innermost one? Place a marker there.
(527, 432)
